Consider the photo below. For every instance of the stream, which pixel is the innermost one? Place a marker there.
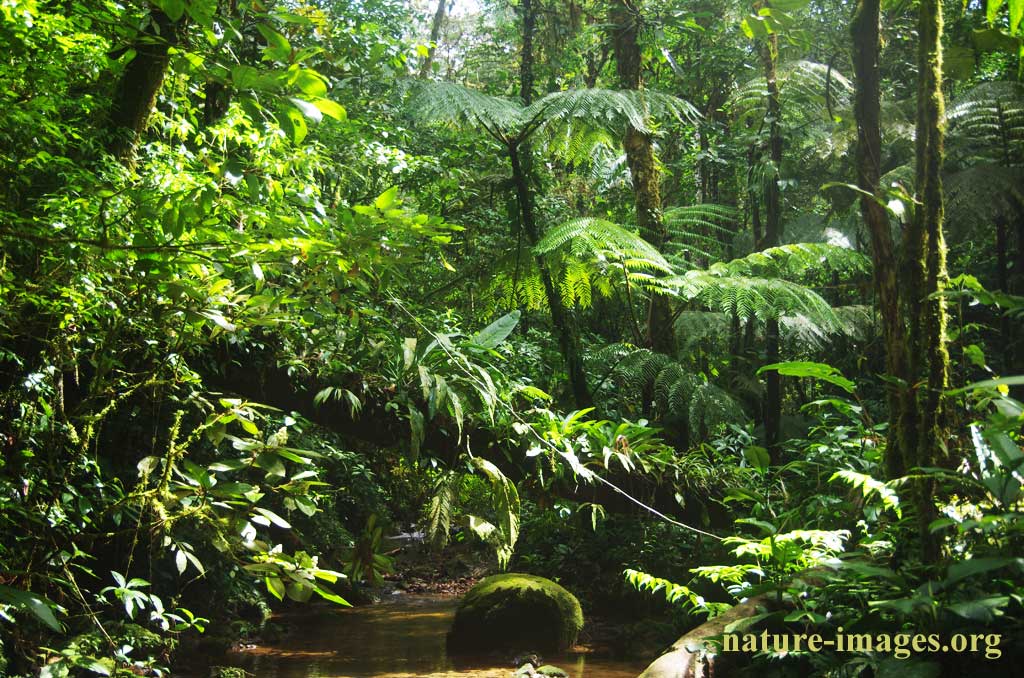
(402, 637)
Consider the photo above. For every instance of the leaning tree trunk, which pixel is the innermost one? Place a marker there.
(135, 95)
(867, 110)
(772, 236)
(926, 252)
(642, 168)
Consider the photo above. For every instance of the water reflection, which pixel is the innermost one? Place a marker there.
(401, 638)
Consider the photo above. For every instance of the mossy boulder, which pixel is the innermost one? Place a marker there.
(514, 612)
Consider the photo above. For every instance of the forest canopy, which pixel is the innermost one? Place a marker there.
(705, 309)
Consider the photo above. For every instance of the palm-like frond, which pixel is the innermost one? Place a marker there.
(761, 298)
(976, 196)
(447, 103)
(795, 262)
(592, 237)
(681, 397)
(700, 230)
(807, 88)
(990, 118)
(573, 121)
(608, 108)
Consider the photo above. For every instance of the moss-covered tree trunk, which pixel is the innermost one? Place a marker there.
(772, 234)
(643, 167)
(135, 95)
(926, 253)
(867, 109)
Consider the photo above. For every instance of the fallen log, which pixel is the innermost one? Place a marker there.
(694, 656)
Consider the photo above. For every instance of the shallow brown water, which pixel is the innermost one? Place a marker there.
(403, 637)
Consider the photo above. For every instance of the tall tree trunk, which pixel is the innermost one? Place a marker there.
(772, 236)
(521, 157)
(568, 339)
(867, 110)
(135, 95)
(435, 35)
(642, 168)
(927, 250)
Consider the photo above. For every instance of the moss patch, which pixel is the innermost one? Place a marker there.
(515, 612)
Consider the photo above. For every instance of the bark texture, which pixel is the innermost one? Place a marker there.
(867, 109)
(643, 167)
(928, 251)
(520, 155)
(136, 92)
(435, 34)
(772, 235)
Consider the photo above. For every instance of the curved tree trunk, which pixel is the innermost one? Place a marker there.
(435, 35)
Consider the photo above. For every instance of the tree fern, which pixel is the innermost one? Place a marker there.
(976, 196)
(989, 118)
(796, 262)
(806, 88)
(454, 105)
(760, 298)
(701, 230)
(588, 236)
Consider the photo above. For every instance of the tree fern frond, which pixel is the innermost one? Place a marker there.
(795, 261)
(451, 104)
(976, 196)
(761, 298)
(609, 109)
(603, 238)
(990, 117)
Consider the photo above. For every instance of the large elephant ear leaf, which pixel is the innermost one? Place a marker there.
(491, 336)
(36, 605)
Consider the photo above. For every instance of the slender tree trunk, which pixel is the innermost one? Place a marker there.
(568, 339)
(772, 236)
(867, 109)
(927, 251)
(435, 35)
(521, 157)
(135, 95)
(643, 169)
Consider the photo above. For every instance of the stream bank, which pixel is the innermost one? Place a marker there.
(403, 636)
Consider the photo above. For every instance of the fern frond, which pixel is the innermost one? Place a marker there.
(990, 117)
(761, 298)
(601, 238)
(442, 507)
(450, 104)
(795, 261)
(980, 194)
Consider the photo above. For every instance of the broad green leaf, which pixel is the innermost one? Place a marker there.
(36, 605)
(810, 369)
(275, 586)
(174, 9)
(331, 108)
(976, 566)
(307, 109)
(310, 82)
(498, 331)
(387, 199)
